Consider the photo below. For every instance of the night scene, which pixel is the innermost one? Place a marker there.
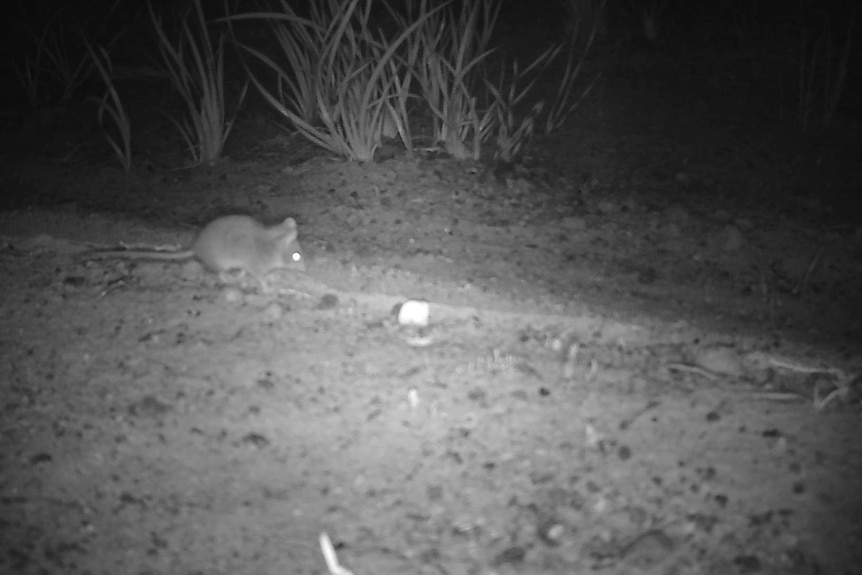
(431, 287)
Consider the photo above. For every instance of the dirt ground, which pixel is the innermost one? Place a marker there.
(643, 356)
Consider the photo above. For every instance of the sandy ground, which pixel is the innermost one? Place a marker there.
(156, 421)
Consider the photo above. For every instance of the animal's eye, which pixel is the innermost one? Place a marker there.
(296, 256)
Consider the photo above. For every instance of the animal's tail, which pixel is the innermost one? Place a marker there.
(139, 254)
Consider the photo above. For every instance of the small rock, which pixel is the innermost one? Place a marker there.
(274, 311)
(650, 549)
(255, 440)
(328, 301)
(510, 555)
(232, 295)
(148, 406)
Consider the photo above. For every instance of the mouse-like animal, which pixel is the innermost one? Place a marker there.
(231, 243)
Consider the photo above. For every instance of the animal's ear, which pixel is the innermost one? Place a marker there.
(289, 236)
(289, 223)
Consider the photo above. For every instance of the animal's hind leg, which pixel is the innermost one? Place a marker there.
(229, 278)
